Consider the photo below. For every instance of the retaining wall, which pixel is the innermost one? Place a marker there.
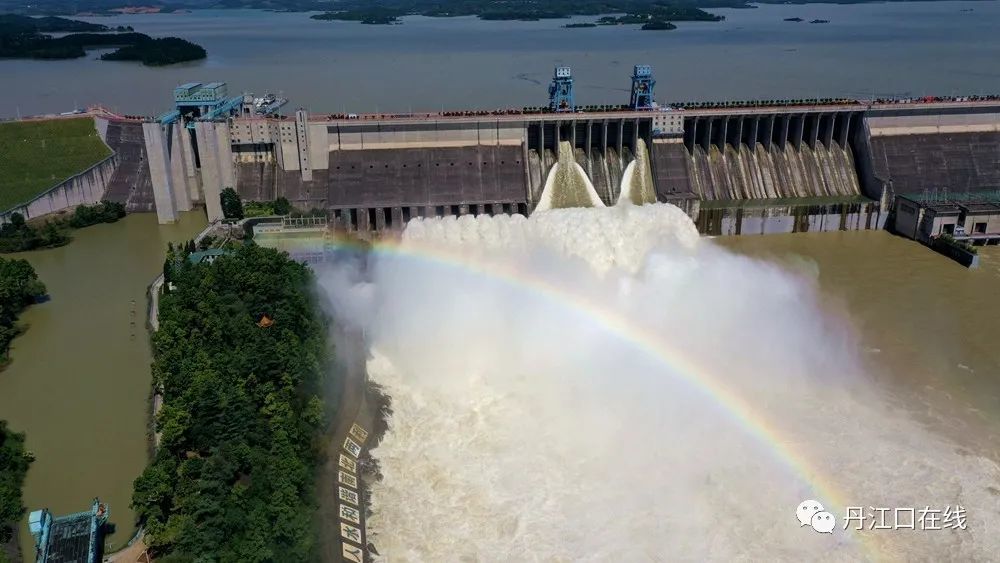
(87, 187)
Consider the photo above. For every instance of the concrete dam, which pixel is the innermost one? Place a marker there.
(735, 169)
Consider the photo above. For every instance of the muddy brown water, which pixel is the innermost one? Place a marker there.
(79, 381)
(929, 326)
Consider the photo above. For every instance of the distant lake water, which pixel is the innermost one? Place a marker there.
(902, 48)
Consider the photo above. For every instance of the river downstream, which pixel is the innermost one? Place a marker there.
(79, 382)
(927, 325)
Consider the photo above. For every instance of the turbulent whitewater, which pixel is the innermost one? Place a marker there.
(549, 402)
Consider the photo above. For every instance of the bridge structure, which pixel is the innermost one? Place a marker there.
(736, 168)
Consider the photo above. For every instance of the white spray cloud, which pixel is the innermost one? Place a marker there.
(525, 428)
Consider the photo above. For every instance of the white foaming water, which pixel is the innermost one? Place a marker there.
(637, 181)
(567, 185)
(528, 425)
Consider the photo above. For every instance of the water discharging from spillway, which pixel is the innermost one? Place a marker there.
(602, 385)
(759, 172)
(567, 184)
(637, 181)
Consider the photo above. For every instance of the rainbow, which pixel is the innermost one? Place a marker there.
(674, 359)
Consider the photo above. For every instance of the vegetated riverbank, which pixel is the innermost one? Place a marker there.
(14, 462)
(233, 478)
(52, 231)
(19, 287)
(25, 37)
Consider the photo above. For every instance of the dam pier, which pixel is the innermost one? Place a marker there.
(734, 168)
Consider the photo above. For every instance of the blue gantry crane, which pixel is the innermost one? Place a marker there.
(205, 102)
(561, 90)
(642, 88)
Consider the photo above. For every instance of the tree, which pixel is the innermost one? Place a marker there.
(14, 462)
(282, 206)
(232, 205)
(19, 287)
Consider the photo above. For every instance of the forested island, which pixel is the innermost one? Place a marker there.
(658, 25)
(371, 16)
(158, 52)
(26, 37)
(239, 358)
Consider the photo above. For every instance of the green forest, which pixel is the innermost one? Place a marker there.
(19, 287)
(232, 479)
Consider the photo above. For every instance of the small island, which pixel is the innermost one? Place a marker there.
(793, 19)
(661, 14)
(820, 21)
(658, 25)
(579, 25)
(26, 38)
(158, 52)
(371, 16)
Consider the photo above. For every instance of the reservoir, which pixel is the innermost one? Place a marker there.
(892, 48)
(79, 381)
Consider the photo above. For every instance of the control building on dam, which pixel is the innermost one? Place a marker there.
(738, 169)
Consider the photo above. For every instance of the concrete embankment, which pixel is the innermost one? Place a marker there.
(85, 188)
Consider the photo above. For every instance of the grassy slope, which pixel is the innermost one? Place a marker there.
(36, 155)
